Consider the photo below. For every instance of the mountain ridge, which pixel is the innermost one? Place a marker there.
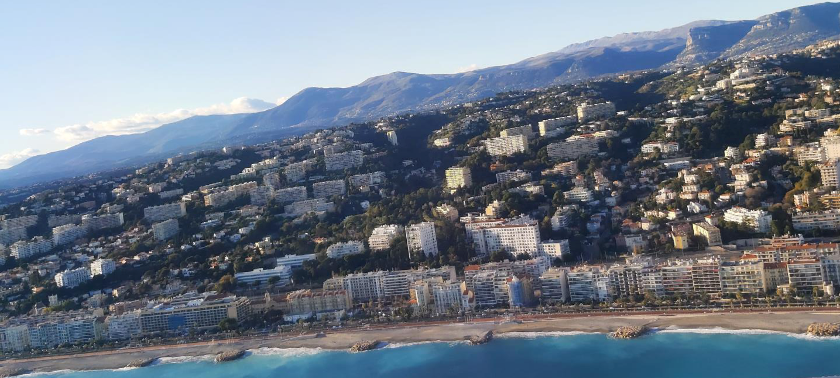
(398, 92)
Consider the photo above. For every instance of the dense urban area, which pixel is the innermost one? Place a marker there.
(711, 186)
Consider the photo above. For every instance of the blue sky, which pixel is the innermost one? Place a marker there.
(71, 71)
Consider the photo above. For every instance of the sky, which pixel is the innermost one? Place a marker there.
(71, 71)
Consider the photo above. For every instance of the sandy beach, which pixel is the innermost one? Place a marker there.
(794, 322)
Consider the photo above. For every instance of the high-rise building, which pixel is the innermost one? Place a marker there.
(758, 220)
(382, 236)
(421, 237)
(504, 146)
(326, 189)
(458, 177)
(164, 212)
(829, 172)
(339, 250)
(102, 267)
(72, 278)
(165, 230)
(344, 160)
(586, 112)
(709, 233)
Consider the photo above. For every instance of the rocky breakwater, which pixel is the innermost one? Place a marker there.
(363, 346)
(230, 355)
(824, 329)
(6, 372)
(140, 363)
(481, 339)
(628, 332)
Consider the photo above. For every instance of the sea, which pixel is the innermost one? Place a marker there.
(666, 353)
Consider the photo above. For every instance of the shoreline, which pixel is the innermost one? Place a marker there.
(791, 323)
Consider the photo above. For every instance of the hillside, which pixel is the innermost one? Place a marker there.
(694, 43)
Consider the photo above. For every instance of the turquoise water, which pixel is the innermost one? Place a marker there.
(672, 355)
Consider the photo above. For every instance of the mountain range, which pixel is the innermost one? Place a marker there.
(398, 92)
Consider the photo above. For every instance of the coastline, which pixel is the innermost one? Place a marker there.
(793, 323)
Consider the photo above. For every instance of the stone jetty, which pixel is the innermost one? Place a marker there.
(362, 346)
(628, 332)
(482, 339)
(229, 355)
(824, 329)
(140, 363)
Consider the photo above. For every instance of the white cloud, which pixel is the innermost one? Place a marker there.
(33, 132)
(141, 122)
(471, 67)
(15, 157)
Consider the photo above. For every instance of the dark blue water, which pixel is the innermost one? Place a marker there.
(672, 355)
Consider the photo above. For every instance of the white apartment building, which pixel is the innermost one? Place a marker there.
(579, 193)
(555, 287)
(67, 233)
(72, 278)
(554, 249)
(521, 235)
(662, 147)
(382, 236)
(261, 195)
(367, 179)
(165, 230)
(102, 267)
(11, 235)
(123, 326)
(709, 233)
(25, 221)
(263, 276)
(339, 250)
(317, 205)
(823, 220)
(566, 169)
(586, 112)
(297, 171)
(758, 220)
(526, 131)
(809, 152)
(573, 148)
(831, 146)
(165, 212)
(829, 172)
(293, 194)
(326, 189)
(421, 237)
(24, 250)
(102, 222)
(513, 176)
(458, 177)
(450, 296)
(344, 160)
(504, 146)
(555, 126)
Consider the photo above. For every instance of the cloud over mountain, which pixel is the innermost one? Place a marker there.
(142, 122)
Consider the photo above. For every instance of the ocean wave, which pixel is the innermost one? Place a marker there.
(534, 335)
(720, 330)
(415, 343)
(183, 359)
(286, 352)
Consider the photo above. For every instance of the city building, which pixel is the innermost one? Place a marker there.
(421, 238)
(281, 275)
(165, 230)
(710, 234)
(505, 146)
(586, 112)
(72, 278)
(165, 212)
(757, 220)
(326, 189)
(102, 267)
(382, 236)
(344, 160)
(339, 250)
(458, 177)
